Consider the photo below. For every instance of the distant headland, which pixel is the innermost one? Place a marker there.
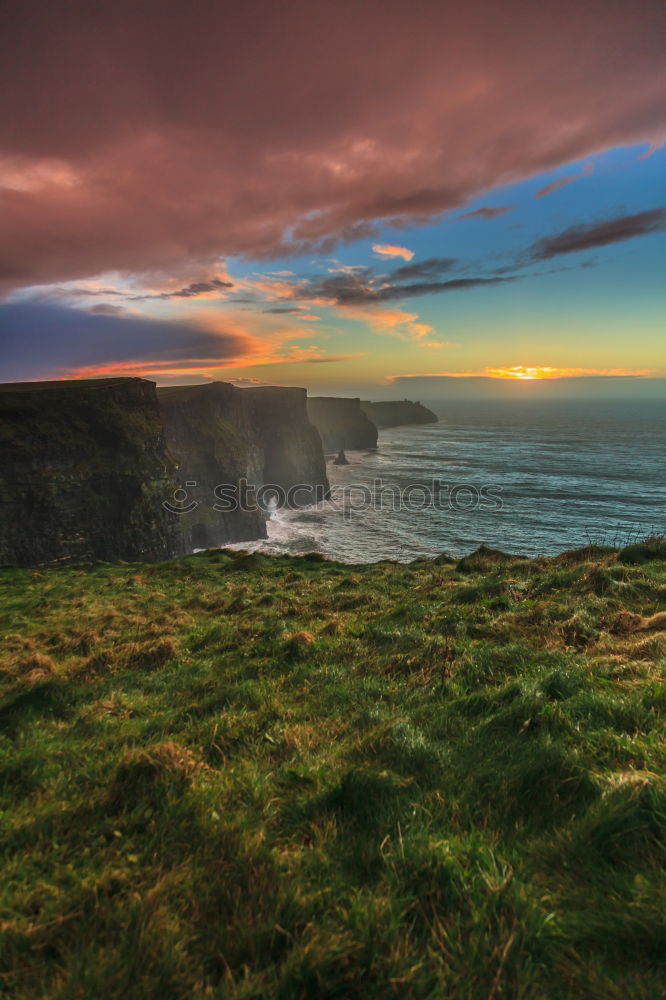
(395, 413)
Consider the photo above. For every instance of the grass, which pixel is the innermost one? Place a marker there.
(240, 776)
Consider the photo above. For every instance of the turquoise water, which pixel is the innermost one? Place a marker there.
(562, 474)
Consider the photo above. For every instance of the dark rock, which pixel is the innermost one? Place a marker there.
(292, 448)
(83, 472)
(210, 436)
(341, 423)
(221, 436)
(395, 413)
(104, 469)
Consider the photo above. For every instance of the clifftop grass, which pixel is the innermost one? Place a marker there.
(250, 777)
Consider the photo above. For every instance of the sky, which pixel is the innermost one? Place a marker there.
(361, 197)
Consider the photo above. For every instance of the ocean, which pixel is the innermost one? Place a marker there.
(525, 477)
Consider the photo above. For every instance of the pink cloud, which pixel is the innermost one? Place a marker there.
(386, 250)
(142, 136)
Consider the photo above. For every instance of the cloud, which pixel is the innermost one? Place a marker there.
(486, 212)
(563, 181)
(653, 148)
(49, 340)
(431, 287)
(128, 128)
(351, 288)
(105, 309)
(210, 288)
(363, 288)
(599, 234)
(200, 288)
(330, 358)
(522, 373)
(283, 309)
(568, 383)
(194, 290)
(429, 268)
(546, 372)
(386, 250)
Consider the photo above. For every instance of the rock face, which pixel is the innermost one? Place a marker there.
(86, 467)
(245, 441)
(341, 423)
(83, 472)
(211, 439)
(398, 412)
(291, 445)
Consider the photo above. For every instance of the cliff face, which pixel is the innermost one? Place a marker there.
(341, 423)
(87, 466)
(221, 436)
(398, 412)
(291, 445)
(83, 472)
(211, 439)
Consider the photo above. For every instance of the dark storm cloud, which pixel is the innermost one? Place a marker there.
(40, 340)
(139, 136)
(599, 234)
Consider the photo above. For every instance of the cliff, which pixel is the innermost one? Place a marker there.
(83, 472)
(221, 436)
(212, 442)
(341, 423)
(397, 412)
(86, 467)
(291, 446)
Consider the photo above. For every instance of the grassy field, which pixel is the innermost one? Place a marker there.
(250, 777)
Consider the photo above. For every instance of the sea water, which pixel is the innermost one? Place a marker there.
(556, 475)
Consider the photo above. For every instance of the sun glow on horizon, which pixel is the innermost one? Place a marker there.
(526, 373)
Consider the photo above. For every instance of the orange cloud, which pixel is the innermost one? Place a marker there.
(392, 322)
(387, 250)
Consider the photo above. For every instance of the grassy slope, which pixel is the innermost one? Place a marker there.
(243, 777)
